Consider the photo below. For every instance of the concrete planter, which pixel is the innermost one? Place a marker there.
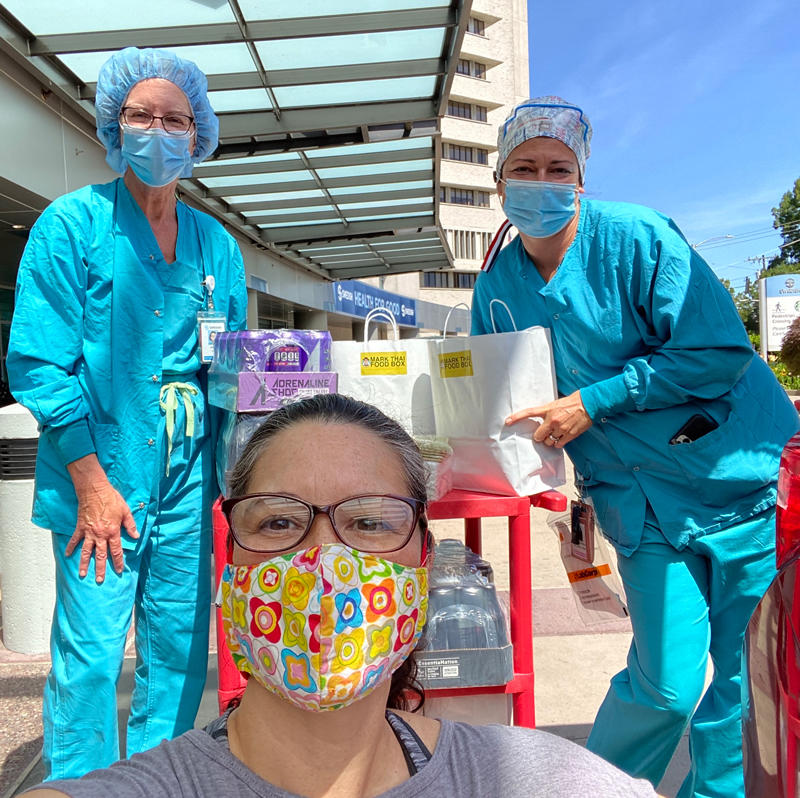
(27, 569)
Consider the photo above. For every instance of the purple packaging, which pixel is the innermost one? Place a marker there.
(259, 393)
(275, 350)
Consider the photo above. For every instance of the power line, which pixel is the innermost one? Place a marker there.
(749, 236)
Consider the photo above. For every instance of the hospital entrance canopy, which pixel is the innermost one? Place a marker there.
(328, 112)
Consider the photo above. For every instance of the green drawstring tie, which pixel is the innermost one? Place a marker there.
(170, 406)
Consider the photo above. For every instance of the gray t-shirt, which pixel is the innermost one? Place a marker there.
(492, 761)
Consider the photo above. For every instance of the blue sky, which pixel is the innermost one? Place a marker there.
(695, 106)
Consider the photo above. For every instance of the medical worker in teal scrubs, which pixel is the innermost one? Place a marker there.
(104, 352)
(673, 424)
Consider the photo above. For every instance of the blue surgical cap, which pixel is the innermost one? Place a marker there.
(130, 66)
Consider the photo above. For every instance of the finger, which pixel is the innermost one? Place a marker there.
(77, 537)
(100, 559)
(129, 524)
(529, 412)
(86, 556)
(545, 433)
(563, 440)
(117, 556)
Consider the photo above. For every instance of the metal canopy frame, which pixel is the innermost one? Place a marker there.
(331, 164)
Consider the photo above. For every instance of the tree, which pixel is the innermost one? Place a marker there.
(790, 348)
(786, 218)
(746, 302)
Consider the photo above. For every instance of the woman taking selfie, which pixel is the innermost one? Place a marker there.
(324, 602)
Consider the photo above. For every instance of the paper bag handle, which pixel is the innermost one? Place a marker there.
(491, 314)
(449, 313)
(384, 313)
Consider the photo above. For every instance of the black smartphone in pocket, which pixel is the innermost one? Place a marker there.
(697, 426)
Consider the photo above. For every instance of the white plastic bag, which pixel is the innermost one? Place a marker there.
(477, 382)
(392, 375)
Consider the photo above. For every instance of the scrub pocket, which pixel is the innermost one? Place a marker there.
(727, 463)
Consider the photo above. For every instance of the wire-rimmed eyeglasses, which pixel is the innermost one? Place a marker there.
(175, 124)
(271, 522)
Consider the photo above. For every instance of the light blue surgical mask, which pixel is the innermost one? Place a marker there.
(538, 208)
(156, 157)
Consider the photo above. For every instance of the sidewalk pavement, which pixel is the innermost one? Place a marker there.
(572, 662)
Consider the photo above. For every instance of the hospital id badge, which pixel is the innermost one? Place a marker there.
(209, 324)
(582, 528)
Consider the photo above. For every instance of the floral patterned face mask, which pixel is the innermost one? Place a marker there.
(325, 626)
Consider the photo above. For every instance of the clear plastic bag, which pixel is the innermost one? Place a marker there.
(595, 583)
(463, 608)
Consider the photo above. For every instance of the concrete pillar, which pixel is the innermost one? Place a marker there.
(27, 569)
(252, 309)
(311, 320)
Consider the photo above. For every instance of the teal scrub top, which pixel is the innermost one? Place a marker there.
(642, 327)
(101, 322)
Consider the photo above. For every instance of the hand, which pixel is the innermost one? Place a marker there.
(562, 420)
(101, 513)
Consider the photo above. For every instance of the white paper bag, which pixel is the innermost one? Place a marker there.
(392, 375)
(477, 382)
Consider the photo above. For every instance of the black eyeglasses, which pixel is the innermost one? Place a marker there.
(174, 124)
(271, 523)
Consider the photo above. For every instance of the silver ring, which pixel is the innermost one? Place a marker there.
(554, 438)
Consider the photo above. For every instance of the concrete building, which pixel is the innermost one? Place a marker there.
(491, 77)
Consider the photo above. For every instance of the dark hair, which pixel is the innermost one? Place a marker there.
(405, 692)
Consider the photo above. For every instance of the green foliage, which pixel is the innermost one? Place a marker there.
(787, 219)
(790, 348)
(786, 379)
(746, 302)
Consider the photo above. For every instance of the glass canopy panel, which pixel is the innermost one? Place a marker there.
(289, 209)
(374, 189)
(239, 100)
(359, 48)
(384, 216)
(44, 17)
(389, 203)
(380, 146)
(285, 195)
(254, 180)
(254, 9)
(375, 169)
(265, 159)
(332, 220)
(357, 91)
(213, 59)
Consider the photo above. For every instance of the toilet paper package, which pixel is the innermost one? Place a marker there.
(255, 371)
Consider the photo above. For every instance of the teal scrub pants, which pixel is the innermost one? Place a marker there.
(685, 605)
(166, 584)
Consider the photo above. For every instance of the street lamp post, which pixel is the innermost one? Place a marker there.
(711, 240)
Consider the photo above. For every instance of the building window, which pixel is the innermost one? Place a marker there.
(448, 279)
(476, 26)
(468, 244)
(473, 69)
(472, 111)
(459, 152)
(464, 196)
(465, 279)
(462, 110)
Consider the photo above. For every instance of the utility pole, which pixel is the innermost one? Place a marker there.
(762, 259)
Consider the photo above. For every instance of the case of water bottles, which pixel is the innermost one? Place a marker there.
(466, 641)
